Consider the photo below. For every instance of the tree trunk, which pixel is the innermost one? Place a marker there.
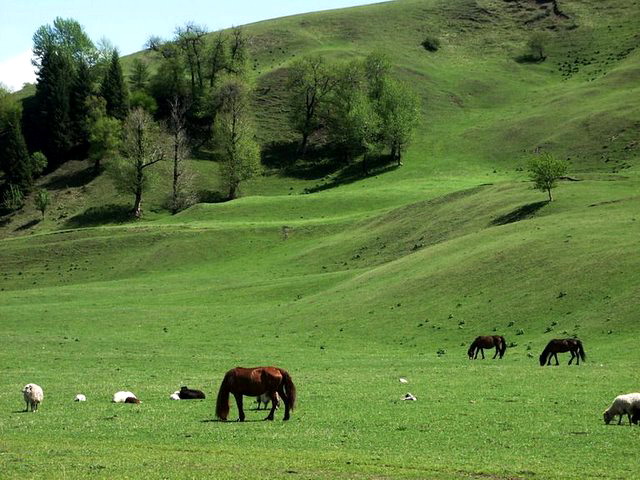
(550, 196)
(233, 190)
(137, 206)
(304, 145)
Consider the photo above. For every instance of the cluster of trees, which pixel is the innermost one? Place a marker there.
(198, 97)
(359, 106)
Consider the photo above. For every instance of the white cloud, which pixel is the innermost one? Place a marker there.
(16, 71)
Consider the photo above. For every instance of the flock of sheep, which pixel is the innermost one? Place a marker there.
(33, 396)
(628, 404)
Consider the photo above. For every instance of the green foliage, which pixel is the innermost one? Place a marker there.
(81, 90)
(377, 67)
(399, 113)
(143, 145)
(114, 90)
(142, 99)
(104, 132)
(38, 163)
(537, 47)
(431, 43)
(53, 97)
(545, 170)
(65, 37)
(234, 136)
(41, 201)
(139, 77)
(12, 198)
(14, 157)
(309, 84)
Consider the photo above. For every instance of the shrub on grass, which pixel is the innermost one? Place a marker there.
(431, 43)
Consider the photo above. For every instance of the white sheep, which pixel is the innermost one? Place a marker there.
(80, 398)
(121, 397)
(265, 398)
(33, 395)
(622, 405)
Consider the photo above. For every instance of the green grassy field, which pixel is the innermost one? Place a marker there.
(359, 284)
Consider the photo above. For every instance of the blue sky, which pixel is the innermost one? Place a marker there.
(129, 23)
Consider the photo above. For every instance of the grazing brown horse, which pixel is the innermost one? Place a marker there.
(480, 343)
(562, 345)
(254, 382)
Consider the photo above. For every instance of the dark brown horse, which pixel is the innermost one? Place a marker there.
(254, 382)
(562, 345)
(480, 343)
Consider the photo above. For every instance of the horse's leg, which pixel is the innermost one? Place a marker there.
(577, 357)
(285, 399)
(240, 409)
(274, 404)
(572, 356)
(620, 419)
(482, 352)
(496, 354)
(556, 356)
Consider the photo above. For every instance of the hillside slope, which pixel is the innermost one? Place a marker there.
(361, 282)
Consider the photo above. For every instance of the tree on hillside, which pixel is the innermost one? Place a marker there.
(398, 109)
(53, 93)
(536, 47)
(217, 58)
(14, 157)
(41, 201)
(139, 78)
(114, 90)
(142, 147)
(179, 151)
(310, 83)
(238, 52)
(377, 67)
(190, 39)
(65, 37)
(81, 90)
(234, 136)
(352, 122)
(104, 132)
(545, 170)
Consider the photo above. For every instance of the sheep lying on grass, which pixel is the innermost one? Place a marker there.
(622, 405)
(80, 398)
(33, 395)
(125, 397)
(186, 393)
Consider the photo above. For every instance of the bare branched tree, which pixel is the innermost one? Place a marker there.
(182, 177)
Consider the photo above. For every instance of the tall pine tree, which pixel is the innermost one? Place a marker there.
(14, 157)
(114, 90)
(53, 91)
(81, 90)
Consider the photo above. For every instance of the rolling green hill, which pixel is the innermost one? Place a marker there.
(361, 282)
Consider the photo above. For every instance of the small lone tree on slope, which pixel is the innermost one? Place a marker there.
(545, 170)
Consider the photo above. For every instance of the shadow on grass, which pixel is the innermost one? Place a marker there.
(28, 225)
(357, 171)
(520, 213)
(211, 196)
(318, 162)
(105, 214)
(231, 422)
(528, 58)
(72, 180)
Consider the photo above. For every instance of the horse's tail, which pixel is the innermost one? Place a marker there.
(222, 403)
(289, 388)
(544, 355)
(583, 355)
(503, 346)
